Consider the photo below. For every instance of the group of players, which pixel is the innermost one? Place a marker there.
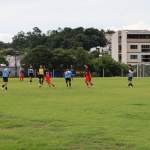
(46, 74)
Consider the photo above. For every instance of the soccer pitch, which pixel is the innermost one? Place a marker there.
(109, 116)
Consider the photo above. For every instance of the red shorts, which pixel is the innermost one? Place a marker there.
(21, 75)
(88, 78)
(48, 79)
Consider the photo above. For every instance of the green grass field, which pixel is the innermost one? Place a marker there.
(110, 116)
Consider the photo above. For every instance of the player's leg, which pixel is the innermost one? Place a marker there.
(86, 81)
(30, 75)
(48, 81)
(4, 84)
(39, 79)
(130, 82)
(89, 80)
(42, 80)
(69, 82)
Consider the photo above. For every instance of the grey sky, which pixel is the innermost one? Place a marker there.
(23, 15)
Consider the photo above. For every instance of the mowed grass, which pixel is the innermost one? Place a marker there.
(109, 116)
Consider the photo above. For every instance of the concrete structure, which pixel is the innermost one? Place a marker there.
(13, 61)
(101, 49)
(14, 65)
(131, 46)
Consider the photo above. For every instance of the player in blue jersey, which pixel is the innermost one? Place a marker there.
(30, 73)
(68, 76)
(130, 76)
(6, 74)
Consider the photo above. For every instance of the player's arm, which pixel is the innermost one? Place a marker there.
(131, 72)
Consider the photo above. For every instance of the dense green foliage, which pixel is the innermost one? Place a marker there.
(66, 38)
(59, 59)
(2, 60)
(63, 48)
(110, 66)
(110, 116)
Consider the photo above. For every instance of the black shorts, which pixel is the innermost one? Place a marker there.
(31, 75)
(5, 79)
(68, 79)
(130, 78)
(41, 76)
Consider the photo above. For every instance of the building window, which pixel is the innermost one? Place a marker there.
(138, 36)
(133, 57)
(133, 46)
(145, 58)
(119, 49)
(145, 48)
(120, 58)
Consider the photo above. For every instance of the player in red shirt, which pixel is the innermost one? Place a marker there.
(48, 76)
(22, 75)
(88, 76)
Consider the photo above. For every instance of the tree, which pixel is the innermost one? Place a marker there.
(110, 66)
(19, 41)
(3, 60)
(41, 55)
(81, 58)
(62, 58)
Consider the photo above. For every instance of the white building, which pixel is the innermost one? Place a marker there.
(101, 49)
(12, 60)
(131, 46)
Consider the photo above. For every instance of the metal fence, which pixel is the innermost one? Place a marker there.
(143, 70)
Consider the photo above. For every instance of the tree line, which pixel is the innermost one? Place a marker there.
(62, 48)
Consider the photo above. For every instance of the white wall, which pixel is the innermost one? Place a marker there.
(114, 48)
(124, 46)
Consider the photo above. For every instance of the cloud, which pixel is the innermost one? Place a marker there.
(6, 38)
(136, 26)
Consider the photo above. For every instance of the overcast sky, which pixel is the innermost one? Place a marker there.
(24, 15)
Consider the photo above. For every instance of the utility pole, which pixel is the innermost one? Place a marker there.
(15, 65)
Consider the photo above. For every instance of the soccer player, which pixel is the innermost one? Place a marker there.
(6, 74)
(48, 76)
(88, 76)
(68, 75)
(130, 76)
(30, 73)
(41, 74)
(21, 75)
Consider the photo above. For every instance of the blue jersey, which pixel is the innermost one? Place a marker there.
(68, 74)
(30, 70)
(130, 73)
(6, 72)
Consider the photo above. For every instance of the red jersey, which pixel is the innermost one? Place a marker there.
(47, 73)
(87, 75)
